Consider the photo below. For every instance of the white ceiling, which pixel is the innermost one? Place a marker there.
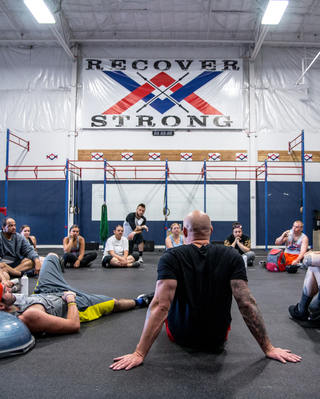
(150, 22)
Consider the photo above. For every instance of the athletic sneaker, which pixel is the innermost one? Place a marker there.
(61, 261)
(309, 323)
(135, 264)
(30, 273)
(146, 299)
(140, 259)
(296, 314)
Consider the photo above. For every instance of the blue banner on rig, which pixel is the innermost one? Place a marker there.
(158, 94)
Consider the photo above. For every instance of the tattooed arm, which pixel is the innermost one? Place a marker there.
(156, 315)
(252, 316)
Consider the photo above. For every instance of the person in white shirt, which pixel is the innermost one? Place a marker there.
(116, 252)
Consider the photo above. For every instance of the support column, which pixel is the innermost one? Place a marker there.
(252, 155)
(73, 131)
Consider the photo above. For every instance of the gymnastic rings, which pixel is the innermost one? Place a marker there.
(74, 209)
(168, 211)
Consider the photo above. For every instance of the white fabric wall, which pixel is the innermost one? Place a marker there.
(36, 104)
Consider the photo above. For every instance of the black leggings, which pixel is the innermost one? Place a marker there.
(71, 258)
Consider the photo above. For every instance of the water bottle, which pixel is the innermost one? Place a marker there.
(245, 260)
(24, 285)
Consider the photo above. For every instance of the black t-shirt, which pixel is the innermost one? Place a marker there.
(244, 239)
(199, 316)
(131, 219)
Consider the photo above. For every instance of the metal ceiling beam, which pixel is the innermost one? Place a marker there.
(258, 45)
(62, 42)
(28, 42)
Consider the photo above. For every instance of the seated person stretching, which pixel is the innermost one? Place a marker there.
(73, 247)
(16, 254)
(116, 253)
(241, 242)
(176, 238)
(193, 297)
(58, 308)
(296, 243)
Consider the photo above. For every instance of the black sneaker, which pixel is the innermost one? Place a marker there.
(296, 314)
(309, 323)
(30, 273)
(61, 261)
(135, 264)
(146, 300)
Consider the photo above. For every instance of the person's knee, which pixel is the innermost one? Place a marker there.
(52, 253)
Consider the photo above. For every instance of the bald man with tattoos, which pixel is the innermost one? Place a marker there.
(193, 297)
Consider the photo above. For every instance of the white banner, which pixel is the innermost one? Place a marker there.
(162, 94)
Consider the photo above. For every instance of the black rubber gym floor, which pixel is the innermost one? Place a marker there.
(77, 365)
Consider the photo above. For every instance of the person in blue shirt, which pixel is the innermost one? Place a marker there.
(176, 238)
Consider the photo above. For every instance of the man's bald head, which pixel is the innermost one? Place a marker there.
(197, 225)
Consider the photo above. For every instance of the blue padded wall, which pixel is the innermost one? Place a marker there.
(39, 204)
(284, 202)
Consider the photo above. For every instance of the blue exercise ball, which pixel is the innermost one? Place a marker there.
(15, 336)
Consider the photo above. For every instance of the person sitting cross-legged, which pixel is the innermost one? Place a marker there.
(17, 256)
(74, 246)
(241, 242)
(296, 243)
(116, 253)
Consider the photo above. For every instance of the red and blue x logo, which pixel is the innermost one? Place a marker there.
(174, 92)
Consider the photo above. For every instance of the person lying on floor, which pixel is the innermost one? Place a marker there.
(194, 296)
(58, 308)
(116, 251)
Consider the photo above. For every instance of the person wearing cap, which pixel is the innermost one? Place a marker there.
(57, 308)
(16, 254)
(240, 242)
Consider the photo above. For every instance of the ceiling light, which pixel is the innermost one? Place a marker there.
(274, 12)
(40, 11)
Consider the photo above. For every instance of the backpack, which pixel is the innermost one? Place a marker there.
(276, 261)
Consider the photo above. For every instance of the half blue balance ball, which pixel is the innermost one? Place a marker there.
(15, 336)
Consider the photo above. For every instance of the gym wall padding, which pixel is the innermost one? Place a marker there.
(39, 204)
(284, 202)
